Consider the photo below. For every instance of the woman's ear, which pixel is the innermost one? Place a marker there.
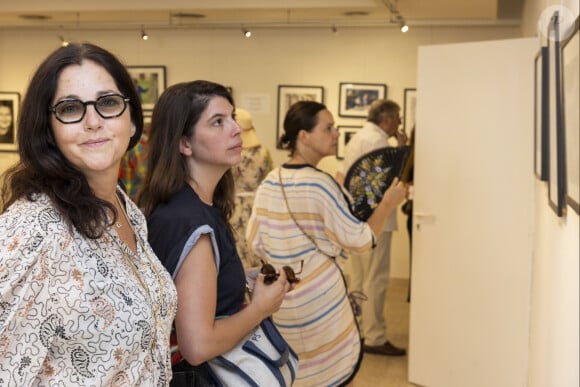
(133, 129)
(185, 146)
(303, 136)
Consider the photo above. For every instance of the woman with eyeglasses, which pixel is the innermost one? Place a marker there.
(302, 218)
(84, 299)
(188, 198)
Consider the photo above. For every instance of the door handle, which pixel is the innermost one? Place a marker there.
(423, 218)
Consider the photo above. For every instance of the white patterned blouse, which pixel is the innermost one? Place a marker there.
(80, 312)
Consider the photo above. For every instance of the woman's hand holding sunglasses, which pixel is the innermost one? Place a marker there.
(271, 274)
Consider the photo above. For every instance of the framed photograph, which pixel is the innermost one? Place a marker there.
(150, 82)
(288, 95)
(355, 99)
(541, 114)
(409, 109)
(571, 102)
(9, 106)
(557, 156)
(345, 134)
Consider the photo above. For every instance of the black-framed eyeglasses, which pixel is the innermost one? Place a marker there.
(71, 111)
(271, 276)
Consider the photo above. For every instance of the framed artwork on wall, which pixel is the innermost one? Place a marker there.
(9, 107)
(557, 155)
(541, 114)
(409, 109)
(290, 94)
(345, 134)
(150, 82)
(571, 101)
(355, 99)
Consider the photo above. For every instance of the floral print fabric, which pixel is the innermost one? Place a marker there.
(72, 310)
(248, 174)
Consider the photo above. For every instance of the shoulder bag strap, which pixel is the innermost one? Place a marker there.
(290, 212)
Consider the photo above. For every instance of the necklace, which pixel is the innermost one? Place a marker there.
(135, 271)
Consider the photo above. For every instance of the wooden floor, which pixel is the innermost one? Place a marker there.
(377, 370)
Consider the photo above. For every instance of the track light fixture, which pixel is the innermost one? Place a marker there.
(247, 33)
(63, 41)
(334, 29)
(396, 16)
(144, 34)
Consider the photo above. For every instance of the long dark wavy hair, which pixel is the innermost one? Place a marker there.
(176, 114)
(42, 167)
(300, 116)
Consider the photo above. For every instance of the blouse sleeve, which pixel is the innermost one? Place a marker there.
(27, 324)
(340, 224)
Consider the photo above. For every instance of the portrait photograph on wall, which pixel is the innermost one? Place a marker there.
(355, 98)
(345, 134)
(9, 106)
(541, 114)
(410, 109)
(290, 94)
(571, 96)
(150, 82)
(557, 150)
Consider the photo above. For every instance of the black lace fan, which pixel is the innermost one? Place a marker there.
(369, 177)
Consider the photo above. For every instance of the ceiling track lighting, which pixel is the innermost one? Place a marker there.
(247, 33)
(63, 41)
(334, 29)
(144, 34)
(396, 16)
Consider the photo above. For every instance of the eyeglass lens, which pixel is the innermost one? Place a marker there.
(74, 110)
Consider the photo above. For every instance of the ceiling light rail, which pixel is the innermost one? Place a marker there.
(396, 16)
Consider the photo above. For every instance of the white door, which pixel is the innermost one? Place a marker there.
(472, 242)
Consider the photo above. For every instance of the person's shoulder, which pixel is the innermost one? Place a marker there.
(317, 178)
(28, 225)
(183, 208)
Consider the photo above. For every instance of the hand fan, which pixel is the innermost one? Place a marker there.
(370, 175)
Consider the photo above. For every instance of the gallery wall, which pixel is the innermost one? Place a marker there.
(255, 67)
(555, 308)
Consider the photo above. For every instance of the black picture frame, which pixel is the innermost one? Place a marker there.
(541, 114)
(150, 82)
(354, 99)
(290, 94)
(557, 155)
(345, 132)
(410, 109)
(9, 112)
(570, 81)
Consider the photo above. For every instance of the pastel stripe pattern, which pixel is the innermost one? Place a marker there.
(316, 317)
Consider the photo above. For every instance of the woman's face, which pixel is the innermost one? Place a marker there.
(5, 119)
(323, 138)
(95, 145)
(216, 139)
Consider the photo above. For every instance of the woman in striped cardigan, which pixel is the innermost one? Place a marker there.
(302, 218)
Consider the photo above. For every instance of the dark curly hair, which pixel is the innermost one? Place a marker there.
(42, 167)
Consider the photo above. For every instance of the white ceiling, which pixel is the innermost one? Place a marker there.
(115, 14)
